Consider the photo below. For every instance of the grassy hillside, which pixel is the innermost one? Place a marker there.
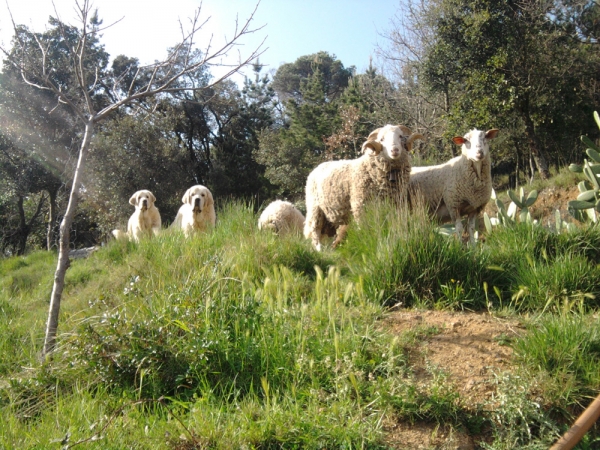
(242, 339)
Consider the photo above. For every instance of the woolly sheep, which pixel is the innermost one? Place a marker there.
(281, 217)
(460, 186)
(337, 190)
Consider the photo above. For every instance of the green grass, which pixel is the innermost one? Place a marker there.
(242, 339)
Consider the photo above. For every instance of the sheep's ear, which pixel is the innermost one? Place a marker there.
(186, 197)
(373, 135)
(459, 140)
(134, 199)
(405, 130)
(372, 148)
(491, 134)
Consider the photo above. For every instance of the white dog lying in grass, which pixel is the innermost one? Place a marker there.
(145, 221)
(197, 212)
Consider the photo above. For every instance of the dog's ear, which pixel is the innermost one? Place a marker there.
(134, 199)
(209, 198)
(152, 197)
(186, 196)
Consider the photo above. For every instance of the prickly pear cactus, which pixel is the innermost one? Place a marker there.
(587, 206)
(508, 216)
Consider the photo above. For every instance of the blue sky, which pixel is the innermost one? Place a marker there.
(350, 29)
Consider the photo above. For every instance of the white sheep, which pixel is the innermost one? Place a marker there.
(281, 217)
(460, 186)
(338, 190)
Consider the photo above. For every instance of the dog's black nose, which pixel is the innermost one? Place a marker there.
(197, 202)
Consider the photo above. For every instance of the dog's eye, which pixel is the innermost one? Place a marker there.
(203, 195)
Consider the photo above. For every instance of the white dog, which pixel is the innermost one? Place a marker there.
(145, 221)
(197, 212)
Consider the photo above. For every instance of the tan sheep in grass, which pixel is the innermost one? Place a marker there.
(461, 186)
(281, 217)
(336, 191)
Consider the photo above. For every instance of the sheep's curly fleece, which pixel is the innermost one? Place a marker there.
(460, 186)
(281, 217)
(338, 190)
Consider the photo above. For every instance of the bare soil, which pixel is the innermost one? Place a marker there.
(469, 348)
(549, 200)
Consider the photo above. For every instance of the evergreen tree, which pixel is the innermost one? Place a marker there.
(290, 152)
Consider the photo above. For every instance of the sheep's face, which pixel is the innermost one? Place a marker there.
(389, 140)
(393, 142)
(142, 200)
(475, 144)
(198, 197)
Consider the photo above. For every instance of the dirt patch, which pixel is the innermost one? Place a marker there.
(470, 348)
(405, 436)
(549, 200)
(552, 198)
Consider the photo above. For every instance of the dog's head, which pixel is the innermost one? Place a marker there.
(198, 197)
(391, 140)
(142, 200)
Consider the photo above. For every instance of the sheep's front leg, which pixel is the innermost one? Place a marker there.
(340, 235)
(312, 228)
(458, 226)
(471, 227)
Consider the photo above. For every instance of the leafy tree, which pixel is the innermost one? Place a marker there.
(290, 152)
(235, 171)
(290, 78)
(38, 145)
(20, 179)
(579, 17)
(506, 60)
(377, 102)
(132, 153)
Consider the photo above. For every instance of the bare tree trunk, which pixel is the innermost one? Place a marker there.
(64, 246)
(516, 183)
(24, 226)
(22, 232)
(531, 168)
(53, 193)
(536, 148)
